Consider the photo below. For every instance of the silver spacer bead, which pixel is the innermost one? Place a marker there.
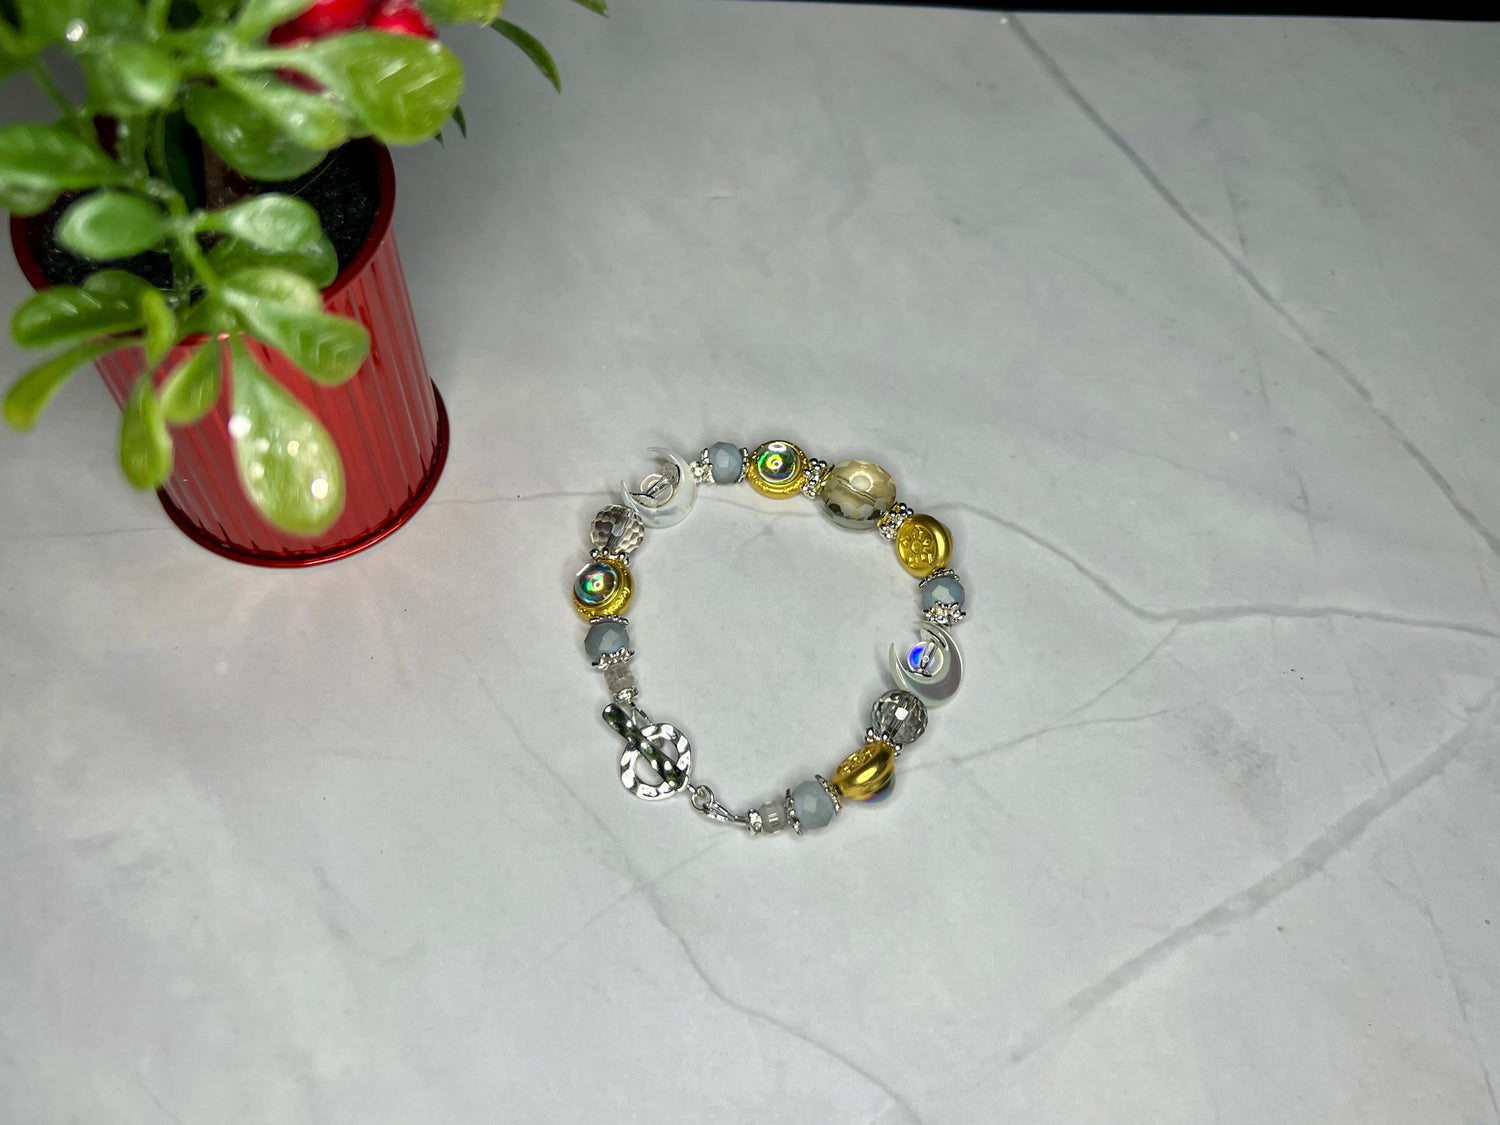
(940, 572)
(791, 814)
(816, 472)
(893, 519)
(702, 470)
(945, 615)
(833, 794)
(755, 823)
(614, 659)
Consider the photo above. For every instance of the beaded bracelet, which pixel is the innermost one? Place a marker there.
(657, 760)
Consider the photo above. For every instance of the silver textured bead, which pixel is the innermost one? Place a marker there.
(891, 522)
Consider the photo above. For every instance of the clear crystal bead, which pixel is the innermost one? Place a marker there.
(898, 717)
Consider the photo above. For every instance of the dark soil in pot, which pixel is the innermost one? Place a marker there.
(344, 190)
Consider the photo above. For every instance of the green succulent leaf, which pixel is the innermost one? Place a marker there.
(116, 285)
(26, 201)
(272, 222)
(31, 393)
(145, 445)
(248, 141)
(38, 158)
(287, 462)
(317, 261)
(312, 120)
(463, 11)
(402, 87)
(111, 224)
(259, 16)
(127, 78)
(161, 326)
(66, 313)
(252, 287)
(193, 386)
(285, 310)
(533, 49)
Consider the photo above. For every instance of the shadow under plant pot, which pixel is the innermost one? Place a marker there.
(388, 421)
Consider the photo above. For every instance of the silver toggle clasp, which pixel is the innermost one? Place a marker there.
(660, 749)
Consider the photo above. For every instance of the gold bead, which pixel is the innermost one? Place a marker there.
(777, 469)
(867, 774)
(923, 545)
(601, 588)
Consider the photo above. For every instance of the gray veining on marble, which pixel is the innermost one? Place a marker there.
(1186, 328)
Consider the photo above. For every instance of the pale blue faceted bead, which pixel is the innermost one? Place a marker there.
(725, 462)
(605, 637)
(813, 804)
(943, 590)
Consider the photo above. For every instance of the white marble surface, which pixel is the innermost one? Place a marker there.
(1187, 327)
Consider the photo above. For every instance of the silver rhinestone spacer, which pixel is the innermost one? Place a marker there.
(833, 794)
(945, 615)
(702, 470)
(817, 471)
(893, 519)
(754, 822)
(791, 814)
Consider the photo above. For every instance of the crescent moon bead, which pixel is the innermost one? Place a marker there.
(932, 669)
(666, 496)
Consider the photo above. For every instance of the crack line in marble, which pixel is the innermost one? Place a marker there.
(728, 1001)
(1061, 722)
(480, 501)
(646, 888)
(1059, 77)
(1337, 838)
(1198, 615)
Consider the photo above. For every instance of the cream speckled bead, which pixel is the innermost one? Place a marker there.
(857, 494)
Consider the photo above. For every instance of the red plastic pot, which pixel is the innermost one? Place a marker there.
(388, 421)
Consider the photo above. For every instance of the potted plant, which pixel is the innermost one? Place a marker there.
(210, 226)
